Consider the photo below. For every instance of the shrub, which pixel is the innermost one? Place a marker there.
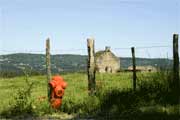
(22, 103)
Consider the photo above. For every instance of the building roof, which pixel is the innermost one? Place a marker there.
(102, 52)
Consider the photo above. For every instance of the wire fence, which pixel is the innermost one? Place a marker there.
(116, 71)
(148, 58)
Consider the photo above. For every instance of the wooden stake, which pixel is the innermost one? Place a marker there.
(176, 81)
(134, 68)
(91, 66)
(48, 66)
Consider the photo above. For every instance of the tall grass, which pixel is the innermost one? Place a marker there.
(114, 98)
(22, 102)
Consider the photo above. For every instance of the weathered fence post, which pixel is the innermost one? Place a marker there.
(134, 68)
(91, 66)
(176, 81)
(48, 66)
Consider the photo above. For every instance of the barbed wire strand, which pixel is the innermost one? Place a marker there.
(67, 50)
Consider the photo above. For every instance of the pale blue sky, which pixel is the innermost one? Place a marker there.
(25, 24)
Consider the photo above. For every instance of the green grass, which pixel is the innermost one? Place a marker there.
(76, 92)
(114, 96)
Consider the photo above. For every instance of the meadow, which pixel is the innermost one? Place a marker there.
(26, 96)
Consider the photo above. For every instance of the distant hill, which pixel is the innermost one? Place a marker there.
(35, 63)
(156, 62)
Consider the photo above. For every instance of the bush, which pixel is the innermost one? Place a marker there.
(22, 103)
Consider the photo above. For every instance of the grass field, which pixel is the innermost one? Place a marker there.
(114, 98)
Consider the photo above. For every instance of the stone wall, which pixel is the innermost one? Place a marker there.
(107, 62)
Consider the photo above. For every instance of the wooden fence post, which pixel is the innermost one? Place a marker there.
(176, 81)
(134, 67)
(91, 66)
(48, 66)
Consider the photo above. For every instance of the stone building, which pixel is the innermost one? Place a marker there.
(106, 61)
(143, 68)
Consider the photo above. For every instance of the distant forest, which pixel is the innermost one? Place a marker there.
(18, 64)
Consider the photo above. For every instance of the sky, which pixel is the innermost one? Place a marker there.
(26, 24)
